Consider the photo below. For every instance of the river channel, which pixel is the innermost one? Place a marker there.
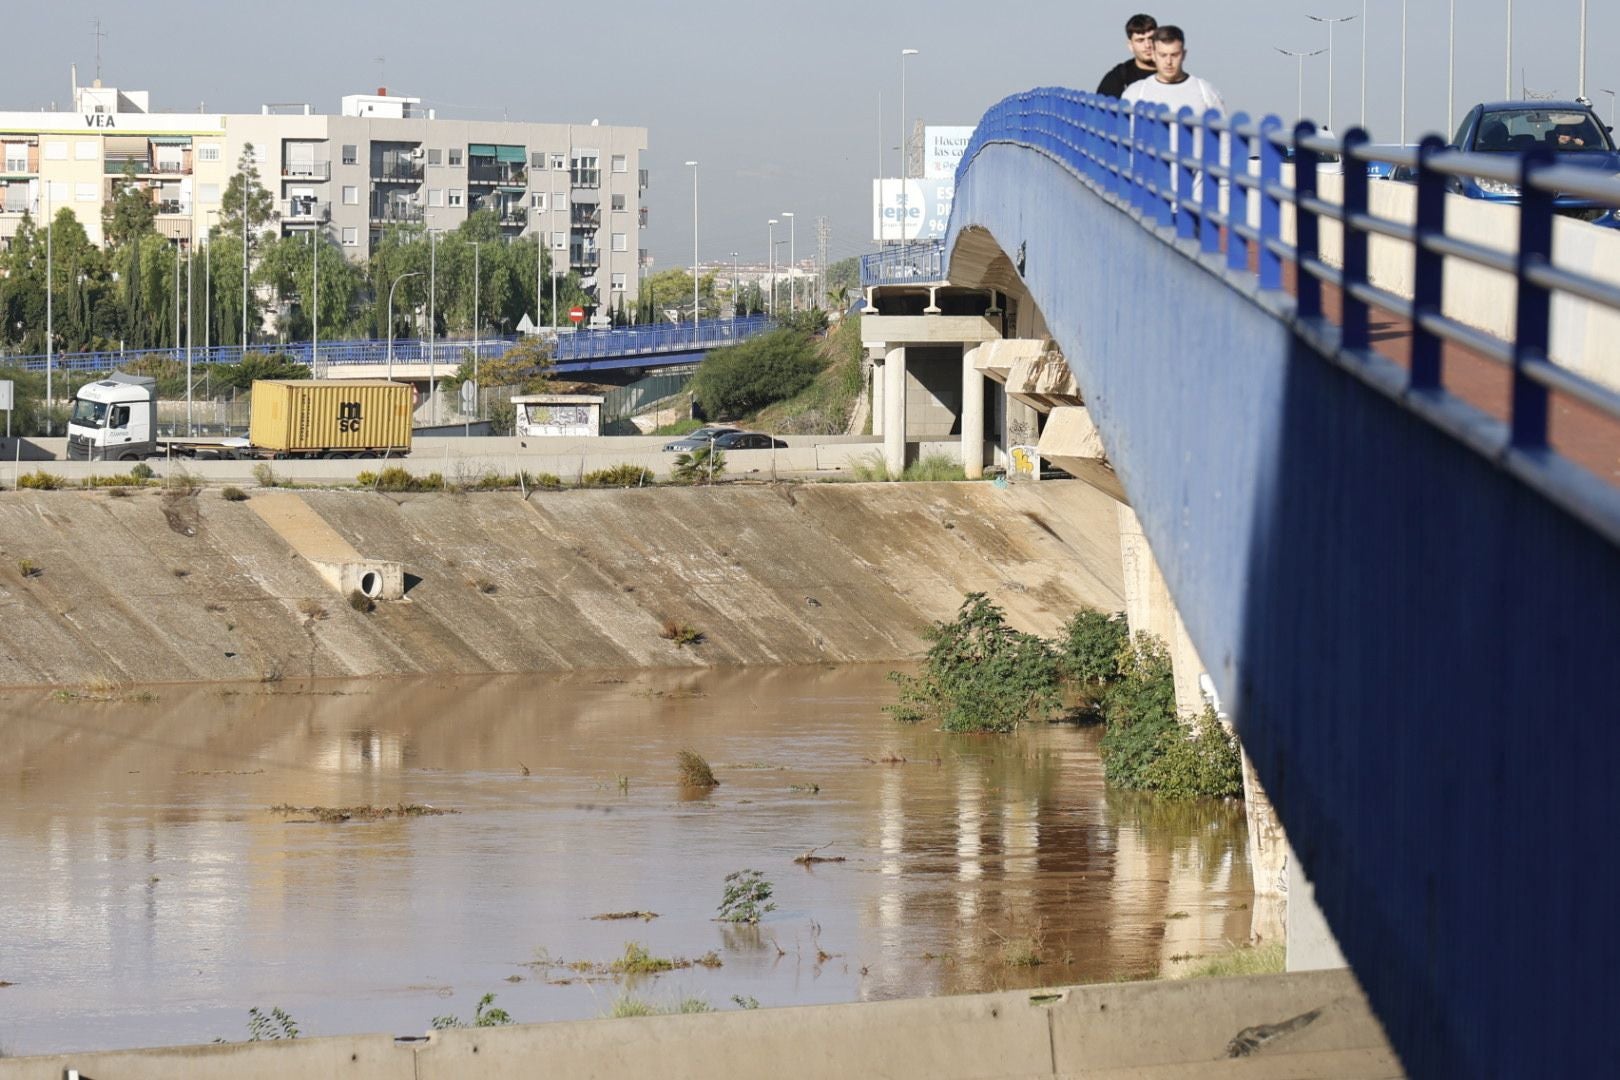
(150, 896)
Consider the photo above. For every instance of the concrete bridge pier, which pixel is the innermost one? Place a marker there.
(894, 410)
(972, 414)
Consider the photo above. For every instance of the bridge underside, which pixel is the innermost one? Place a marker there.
(1413, 645)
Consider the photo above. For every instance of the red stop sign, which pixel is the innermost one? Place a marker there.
(576, 314)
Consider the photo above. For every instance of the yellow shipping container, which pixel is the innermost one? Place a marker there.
(292, 416)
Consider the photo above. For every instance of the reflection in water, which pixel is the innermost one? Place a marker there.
(152, 898)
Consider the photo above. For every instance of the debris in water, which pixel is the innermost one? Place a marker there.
(644, 916)
(524, 767)
(810, 858)
(333, 814)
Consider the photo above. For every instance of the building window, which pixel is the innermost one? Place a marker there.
(559, 162)
(351, 237)
(537, 159)
(16, 157)
(351, 195)
(620, 164)
(559, 241)
(456, 197)
(435, 157)
(537, 200)
(208, 193)
(621, 242)
(351, 154)
(617, 282)
(56, 151)
(455, 158)
(435, 197)
(87, 149)
(87, 192)
(618, 202)
(208, 152)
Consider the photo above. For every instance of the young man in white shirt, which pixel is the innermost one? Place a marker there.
(1170, 84)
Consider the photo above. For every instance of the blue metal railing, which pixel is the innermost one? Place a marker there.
(1170, 171)
(583, 345)
(905, 264)
(667, 338)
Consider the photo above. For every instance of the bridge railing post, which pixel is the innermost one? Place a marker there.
(1270, 204)
(1307, 226)
(1164, 168)
(1119, 158)
(1355, 318)
(1186, 171)
(1237, 197)
(1533, 317)
(1209, 232)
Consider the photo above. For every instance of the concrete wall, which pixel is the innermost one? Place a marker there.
(788, 574)
(1383, 609)
(1164, 1029)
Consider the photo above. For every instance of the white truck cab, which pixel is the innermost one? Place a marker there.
(114, 419)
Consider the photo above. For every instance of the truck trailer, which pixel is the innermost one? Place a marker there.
(115, 419)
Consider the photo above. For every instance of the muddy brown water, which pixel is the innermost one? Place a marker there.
(150, 897)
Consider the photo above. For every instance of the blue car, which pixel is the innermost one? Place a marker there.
(1570, 129)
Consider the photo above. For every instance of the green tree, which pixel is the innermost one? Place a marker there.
(131, 214)
(980, 674)
(744, 377)
(287, 265)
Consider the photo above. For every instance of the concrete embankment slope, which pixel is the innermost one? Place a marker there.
(170, 587)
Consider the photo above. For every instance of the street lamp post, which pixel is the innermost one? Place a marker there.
(1611, 94)
(904, 141)
(1331, 21)
(770, 305)
(694, 167)
(391, 288)
(1507, 92)
(1299, 59)
(433, 329)
(191, 251)
(736, 293)
(1403, 72)
(1451, 71)
(1363, 64)
(1581, 79)
(476, 329)
(793, 260)
(50, 311)
(315, 310)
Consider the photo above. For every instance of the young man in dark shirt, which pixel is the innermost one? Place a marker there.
(1139, 32)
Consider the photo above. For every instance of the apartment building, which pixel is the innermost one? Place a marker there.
(383, 160)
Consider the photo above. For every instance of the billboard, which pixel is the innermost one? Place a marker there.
(942, 150)
(911, 209)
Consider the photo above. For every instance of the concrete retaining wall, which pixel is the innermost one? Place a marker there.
(1314, 1024)
(158, 587)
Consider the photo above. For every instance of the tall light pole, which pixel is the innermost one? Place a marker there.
(433, 327)
(1611, 94)
(315, 310)
(476, 327)
(694, 167)
(1363, 65)
(736, 293)
(1299, 63)
(1451, 71)
(1507, 92)
(1403, 73)
(905, 140)
(190, 251)
(793, 260)
(1331, 21)
(770, 305)
(391, 288)
(244, 265)
(1581, 92)
(50, 311)
(539, 267)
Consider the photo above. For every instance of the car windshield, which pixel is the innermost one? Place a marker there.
(1515, 131)
(89, 413)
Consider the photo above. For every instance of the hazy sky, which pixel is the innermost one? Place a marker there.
(778, 102)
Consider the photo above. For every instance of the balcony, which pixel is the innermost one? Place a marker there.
(641, 179)
(584, 260)
(585, 216)
(487, 173)
(396, 171)
(172, 206)
(585, 178)
(306, 170)
(514, 215)
(143, 167)
(395, 210)
(306, 210)
(641, 217)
